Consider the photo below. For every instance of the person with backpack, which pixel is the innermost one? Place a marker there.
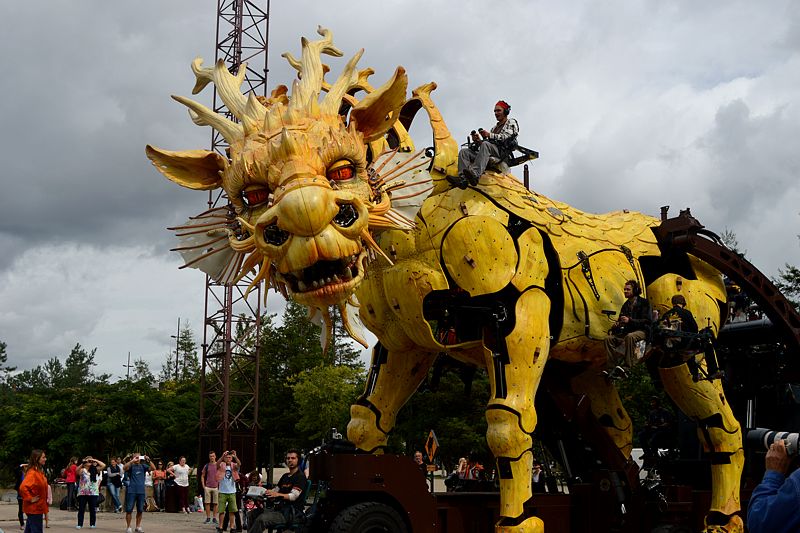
(208, 479)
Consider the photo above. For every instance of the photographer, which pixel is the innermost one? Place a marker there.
(288, 497)
(89, 489)
(136, 469)
(496, 143)
(227, 476)
(775, 503)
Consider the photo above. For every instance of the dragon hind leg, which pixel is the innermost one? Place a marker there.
(704, 401)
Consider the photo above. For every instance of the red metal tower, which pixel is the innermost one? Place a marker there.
(229, 379)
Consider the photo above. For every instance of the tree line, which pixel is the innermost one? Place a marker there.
(68, 408)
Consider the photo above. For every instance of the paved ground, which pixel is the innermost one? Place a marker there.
(61, 521)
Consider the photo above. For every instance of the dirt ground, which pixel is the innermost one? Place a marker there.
(61, 521)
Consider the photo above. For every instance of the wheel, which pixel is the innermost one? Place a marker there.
(368, 517)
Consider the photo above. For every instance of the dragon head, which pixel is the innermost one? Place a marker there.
(303, 178)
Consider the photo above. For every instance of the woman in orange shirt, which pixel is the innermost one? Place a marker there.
(159, 484)
(34, 492)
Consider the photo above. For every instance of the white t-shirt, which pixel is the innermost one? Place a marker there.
(181, 475)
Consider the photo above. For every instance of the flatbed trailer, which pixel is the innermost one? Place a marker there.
(389, 493)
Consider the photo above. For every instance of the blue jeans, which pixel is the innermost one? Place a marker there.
(113, 490)
(70, 496)
(91, 501)
(34, 523)
(158, 493)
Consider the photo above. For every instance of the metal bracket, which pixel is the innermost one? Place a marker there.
(586, 268)
(629, 256)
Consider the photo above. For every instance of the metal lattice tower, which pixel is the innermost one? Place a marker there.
(229, 379)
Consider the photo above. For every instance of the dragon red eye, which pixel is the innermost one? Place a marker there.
(342, 173)
(254, 197)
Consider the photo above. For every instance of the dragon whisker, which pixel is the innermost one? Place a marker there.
(201, 245)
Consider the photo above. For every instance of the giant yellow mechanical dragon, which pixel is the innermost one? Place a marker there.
(331, 204)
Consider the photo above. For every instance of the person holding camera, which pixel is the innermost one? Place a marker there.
(635, 317)
(775, 504)
(88, 475)
(136, 470)
(495, 143)
(227, 476)
(287, 497)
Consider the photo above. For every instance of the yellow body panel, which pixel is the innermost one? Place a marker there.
(479, 255)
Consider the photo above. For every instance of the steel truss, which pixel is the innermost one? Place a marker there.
(229, 381)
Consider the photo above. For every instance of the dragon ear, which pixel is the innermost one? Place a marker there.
(379, 110)
(193, 169)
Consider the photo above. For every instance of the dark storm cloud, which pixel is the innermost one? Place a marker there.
(86, 96)
(631, 105)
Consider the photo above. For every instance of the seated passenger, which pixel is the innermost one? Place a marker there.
(495, 143)
(288, 496)
(679, 319)
(630, 329)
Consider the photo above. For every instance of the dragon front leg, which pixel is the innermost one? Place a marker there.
(393, 377)
(704, 401)
(515, 366)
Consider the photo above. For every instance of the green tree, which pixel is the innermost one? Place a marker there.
(187, 349)
(79, 368)
(288, 350)
(343, 350)
(323, 396)
(186, 359)
(455, 412)
(5, 370)
(728, 238)
(67, 409)
(141, 371)
(789, 284)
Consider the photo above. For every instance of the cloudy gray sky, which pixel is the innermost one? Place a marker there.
(632, 104)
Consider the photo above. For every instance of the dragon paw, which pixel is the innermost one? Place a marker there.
(529, 525)
(734, 525)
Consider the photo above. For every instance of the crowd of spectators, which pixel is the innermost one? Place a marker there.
(138, 484)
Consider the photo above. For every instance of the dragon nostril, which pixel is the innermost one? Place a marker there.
(274, 235)
(346, 216)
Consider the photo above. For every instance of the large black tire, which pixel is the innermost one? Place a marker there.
(368, 517)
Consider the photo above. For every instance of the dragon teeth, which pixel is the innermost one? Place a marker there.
(301, 286)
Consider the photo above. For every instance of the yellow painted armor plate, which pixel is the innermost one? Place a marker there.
(479, 255)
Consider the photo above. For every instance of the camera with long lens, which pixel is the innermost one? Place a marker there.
(763, 438)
